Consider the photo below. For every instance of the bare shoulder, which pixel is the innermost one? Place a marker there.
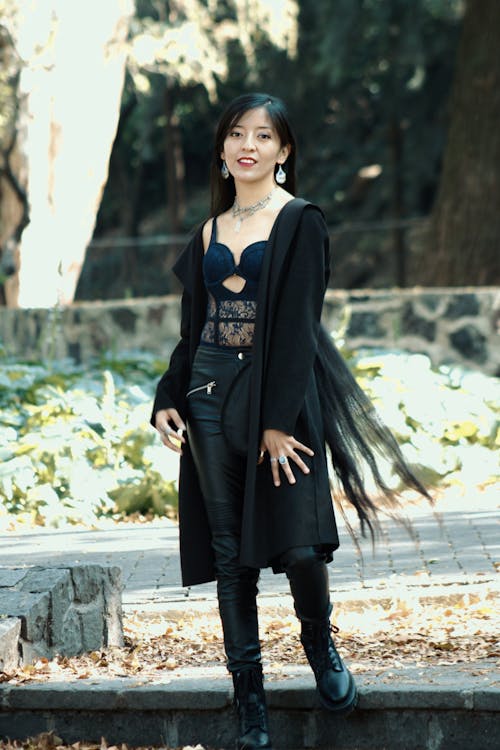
(206, 232)
(282, 198)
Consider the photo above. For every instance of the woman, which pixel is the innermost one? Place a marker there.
(255, 492)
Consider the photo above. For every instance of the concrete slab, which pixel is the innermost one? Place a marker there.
(402, 709)
(452, 708)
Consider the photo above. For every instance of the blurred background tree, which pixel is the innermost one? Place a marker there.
(67, 63)
(368, 87)
(464, 244)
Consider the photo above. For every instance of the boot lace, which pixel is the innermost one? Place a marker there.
(250, 702)
(320, 648)
(333, 655)
(252, 714)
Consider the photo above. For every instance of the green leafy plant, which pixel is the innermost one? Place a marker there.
(76, 444)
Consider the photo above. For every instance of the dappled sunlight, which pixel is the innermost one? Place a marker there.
(77, 446)
(191, 47)
(71, 82)
(447, 420)
(72, 70)
(408, 630)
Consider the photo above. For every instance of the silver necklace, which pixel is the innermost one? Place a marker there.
(237, 212)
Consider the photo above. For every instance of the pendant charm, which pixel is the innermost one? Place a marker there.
(240, 213)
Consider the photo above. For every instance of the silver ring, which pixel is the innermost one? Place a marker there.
(272, 460)
(166, 430)
(283, 460)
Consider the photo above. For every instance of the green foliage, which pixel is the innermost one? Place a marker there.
(376, 78)
(365, 75)
(75, 443)
(447, 421)
(151, 494)
(202, 54)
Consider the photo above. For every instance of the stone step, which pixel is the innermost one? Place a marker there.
(10, 630)
(437, 708)
(58, 609)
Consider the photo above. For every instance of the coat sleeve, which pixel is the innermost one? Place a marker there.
(295, 324)
(172, 386)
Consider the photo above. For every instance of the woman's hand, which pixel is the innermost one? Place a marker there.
(282, 450)
(172, 437)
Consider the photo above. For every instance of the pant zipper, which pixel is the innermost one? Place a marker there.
(208, 387)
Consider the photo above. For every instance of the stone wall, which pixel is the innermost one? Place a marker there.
(58, 610)
(451, 325)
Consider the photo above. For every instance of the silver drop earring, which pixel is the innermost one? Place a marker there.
(280, 175)
(224, 171)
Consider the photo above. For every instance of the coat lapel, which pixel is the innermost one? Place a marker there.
(273, 264)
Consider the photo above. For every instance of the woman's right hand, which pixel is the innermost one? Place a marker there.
(169, 424)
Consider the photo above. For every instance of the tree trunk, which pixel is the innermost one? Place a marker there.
(14, 207)
(174, 158)
(464, 240)
(397, 201)
(73, 82)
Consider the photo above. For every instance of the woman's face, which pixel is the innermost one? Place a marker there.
(252, 147)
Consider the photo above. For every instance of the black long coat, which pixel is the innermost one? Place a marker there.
(284, 396)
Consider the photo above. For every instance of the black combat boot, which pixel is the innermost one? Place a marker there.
(308, 575)
(250, 701)
(336, 688)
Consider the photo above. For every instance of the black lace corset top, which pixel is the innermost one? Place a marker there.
(230, 317)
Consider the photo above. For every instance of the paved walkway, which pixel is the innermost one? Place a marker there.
(441, 708)
(461, 544)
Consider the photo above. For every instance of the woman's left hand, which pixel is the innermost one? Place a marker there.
(282, 450)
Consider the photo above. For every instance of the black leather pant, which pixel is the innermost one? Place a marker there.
(222, 477)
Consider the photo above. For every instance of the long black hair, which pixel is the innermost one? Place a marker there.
(358, 438)
(223, 191)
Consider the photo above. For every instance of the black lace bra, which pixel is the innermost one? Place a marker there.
(230, 317)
